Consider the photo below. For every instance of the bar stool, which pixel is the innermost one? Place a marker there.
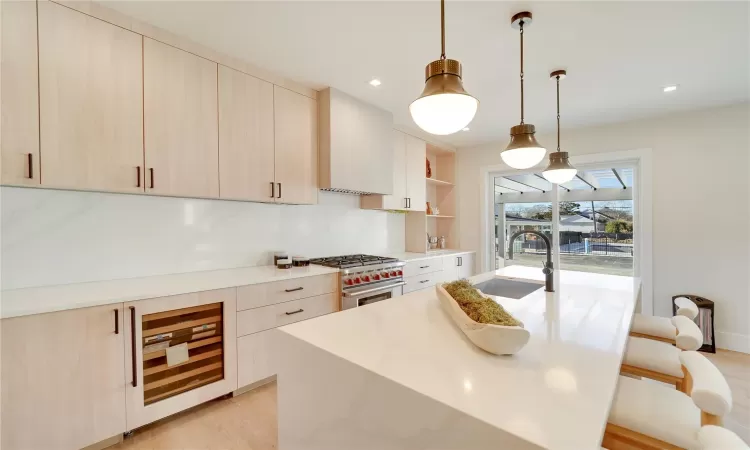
(712, 437)
(648, 416)
(662, 328)
(659, 360)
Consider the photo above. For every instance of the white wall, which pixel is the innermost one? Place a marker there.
(700, 173)
(59, 237)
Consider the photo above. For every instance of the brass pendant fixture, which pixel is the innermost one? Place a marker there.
(559, 169)
(523, 151)
(444, 106)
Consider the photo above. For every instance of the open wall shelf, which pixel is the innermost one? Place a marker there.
(440, 193)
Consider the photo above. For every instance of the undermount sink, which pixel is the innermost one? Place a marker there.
(502, 287)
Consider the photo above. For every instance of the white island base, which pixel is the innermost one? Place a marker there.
(399, 375)
(328, 403)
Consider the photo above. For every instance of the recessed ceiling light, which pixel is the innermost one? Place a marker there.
(671, 88)
(465, 129)
(375, 82)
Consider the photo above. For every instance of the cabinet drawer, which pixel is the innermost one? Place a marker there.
(254, 357)
(272, 316)
(422, 281)
(423, 266)
(257, 295)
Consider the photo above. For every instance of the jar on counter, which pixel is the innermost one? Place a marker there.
(279, 255)
(284, 263)
(300, 261)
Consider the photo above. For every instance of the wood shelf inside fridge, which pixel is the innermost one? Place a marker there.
(200, 328)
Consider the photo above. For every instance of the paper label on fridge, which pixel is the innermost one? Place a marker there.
(177, 354)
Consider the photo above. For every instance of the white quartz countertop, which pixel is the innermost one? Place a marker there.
(411, 256)
(38, 300)
(555, 393)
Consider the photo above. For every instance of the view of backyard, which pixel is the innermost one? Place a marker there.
(595, 236)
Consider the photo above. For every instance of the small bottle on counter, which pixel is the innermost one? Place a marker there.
(300, 261)
(284, 263)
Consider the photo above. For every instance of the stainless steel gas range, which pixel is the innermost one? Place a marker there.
(366, 279)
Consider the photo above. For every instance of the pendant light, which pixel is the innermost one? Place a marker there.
(444, 106)
(559, 169)
(523, 151)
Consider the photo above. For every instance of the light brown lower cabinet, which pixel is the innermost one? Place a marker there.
(205, 323)
(63, 384)
(255, 357)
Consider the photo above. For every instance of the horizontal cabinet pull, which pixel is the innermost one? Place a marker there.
(294, 312)
(423, 267)
(425, 281)
(294, 290)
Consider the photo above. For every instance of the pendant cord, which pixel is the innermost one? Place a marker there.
(521, 26)
(558, 112)
(442, 29)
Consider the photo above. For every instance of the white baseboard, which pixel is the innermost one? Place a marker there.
(733, 341)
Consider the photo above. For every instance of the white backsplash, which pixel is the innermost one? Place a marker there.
(58, 237)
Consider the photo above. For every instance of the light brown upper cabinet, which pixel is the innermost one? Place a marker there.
(416, 160)
(181, 131)
(19, 141)
(91, 109)
(296, 147)
(408, 165)
(246, 147)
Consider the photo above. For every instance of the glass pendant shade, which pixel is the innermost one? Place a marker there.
(444, 106)
(523, 151)
(559, 169)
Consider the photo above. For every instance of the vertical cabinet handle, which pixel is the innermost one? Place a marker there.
(117, 321)
(151, 174)
(138, 175)
(273, 190)
(279, 196)
(132, 343)
(30, 158)
(460, 262)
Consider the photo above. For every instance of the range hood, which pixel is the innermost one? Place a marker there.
(355, 145)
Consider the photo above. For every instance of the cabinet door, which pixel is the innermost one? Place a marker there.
(398, 199)
(466, 265)
(450, 268)
(91, 102)
(254, 357)
(181, 132)
(63, 384)
(19, 140)
(296, 145)
(246, 153)
(416, 154)
(154, 389)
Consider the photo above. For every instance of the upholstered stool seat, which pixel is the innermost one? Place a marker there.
(656, 326)
(658, 360)
(654, 356)
(645, 414)
(663, 328)
(656, 411)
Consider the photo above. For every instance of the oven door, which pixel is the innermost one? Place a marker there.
(370, 294)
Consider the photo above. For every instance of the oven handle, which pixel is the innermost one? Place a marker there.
(373, 290)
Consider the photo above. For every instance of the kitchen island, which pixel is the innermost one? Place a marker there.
(399, 374)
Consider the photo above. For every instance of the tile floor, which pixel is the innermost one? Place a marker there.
(248, 421)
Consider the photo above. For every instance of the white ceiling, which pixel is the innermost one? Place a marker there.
(619, 55)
